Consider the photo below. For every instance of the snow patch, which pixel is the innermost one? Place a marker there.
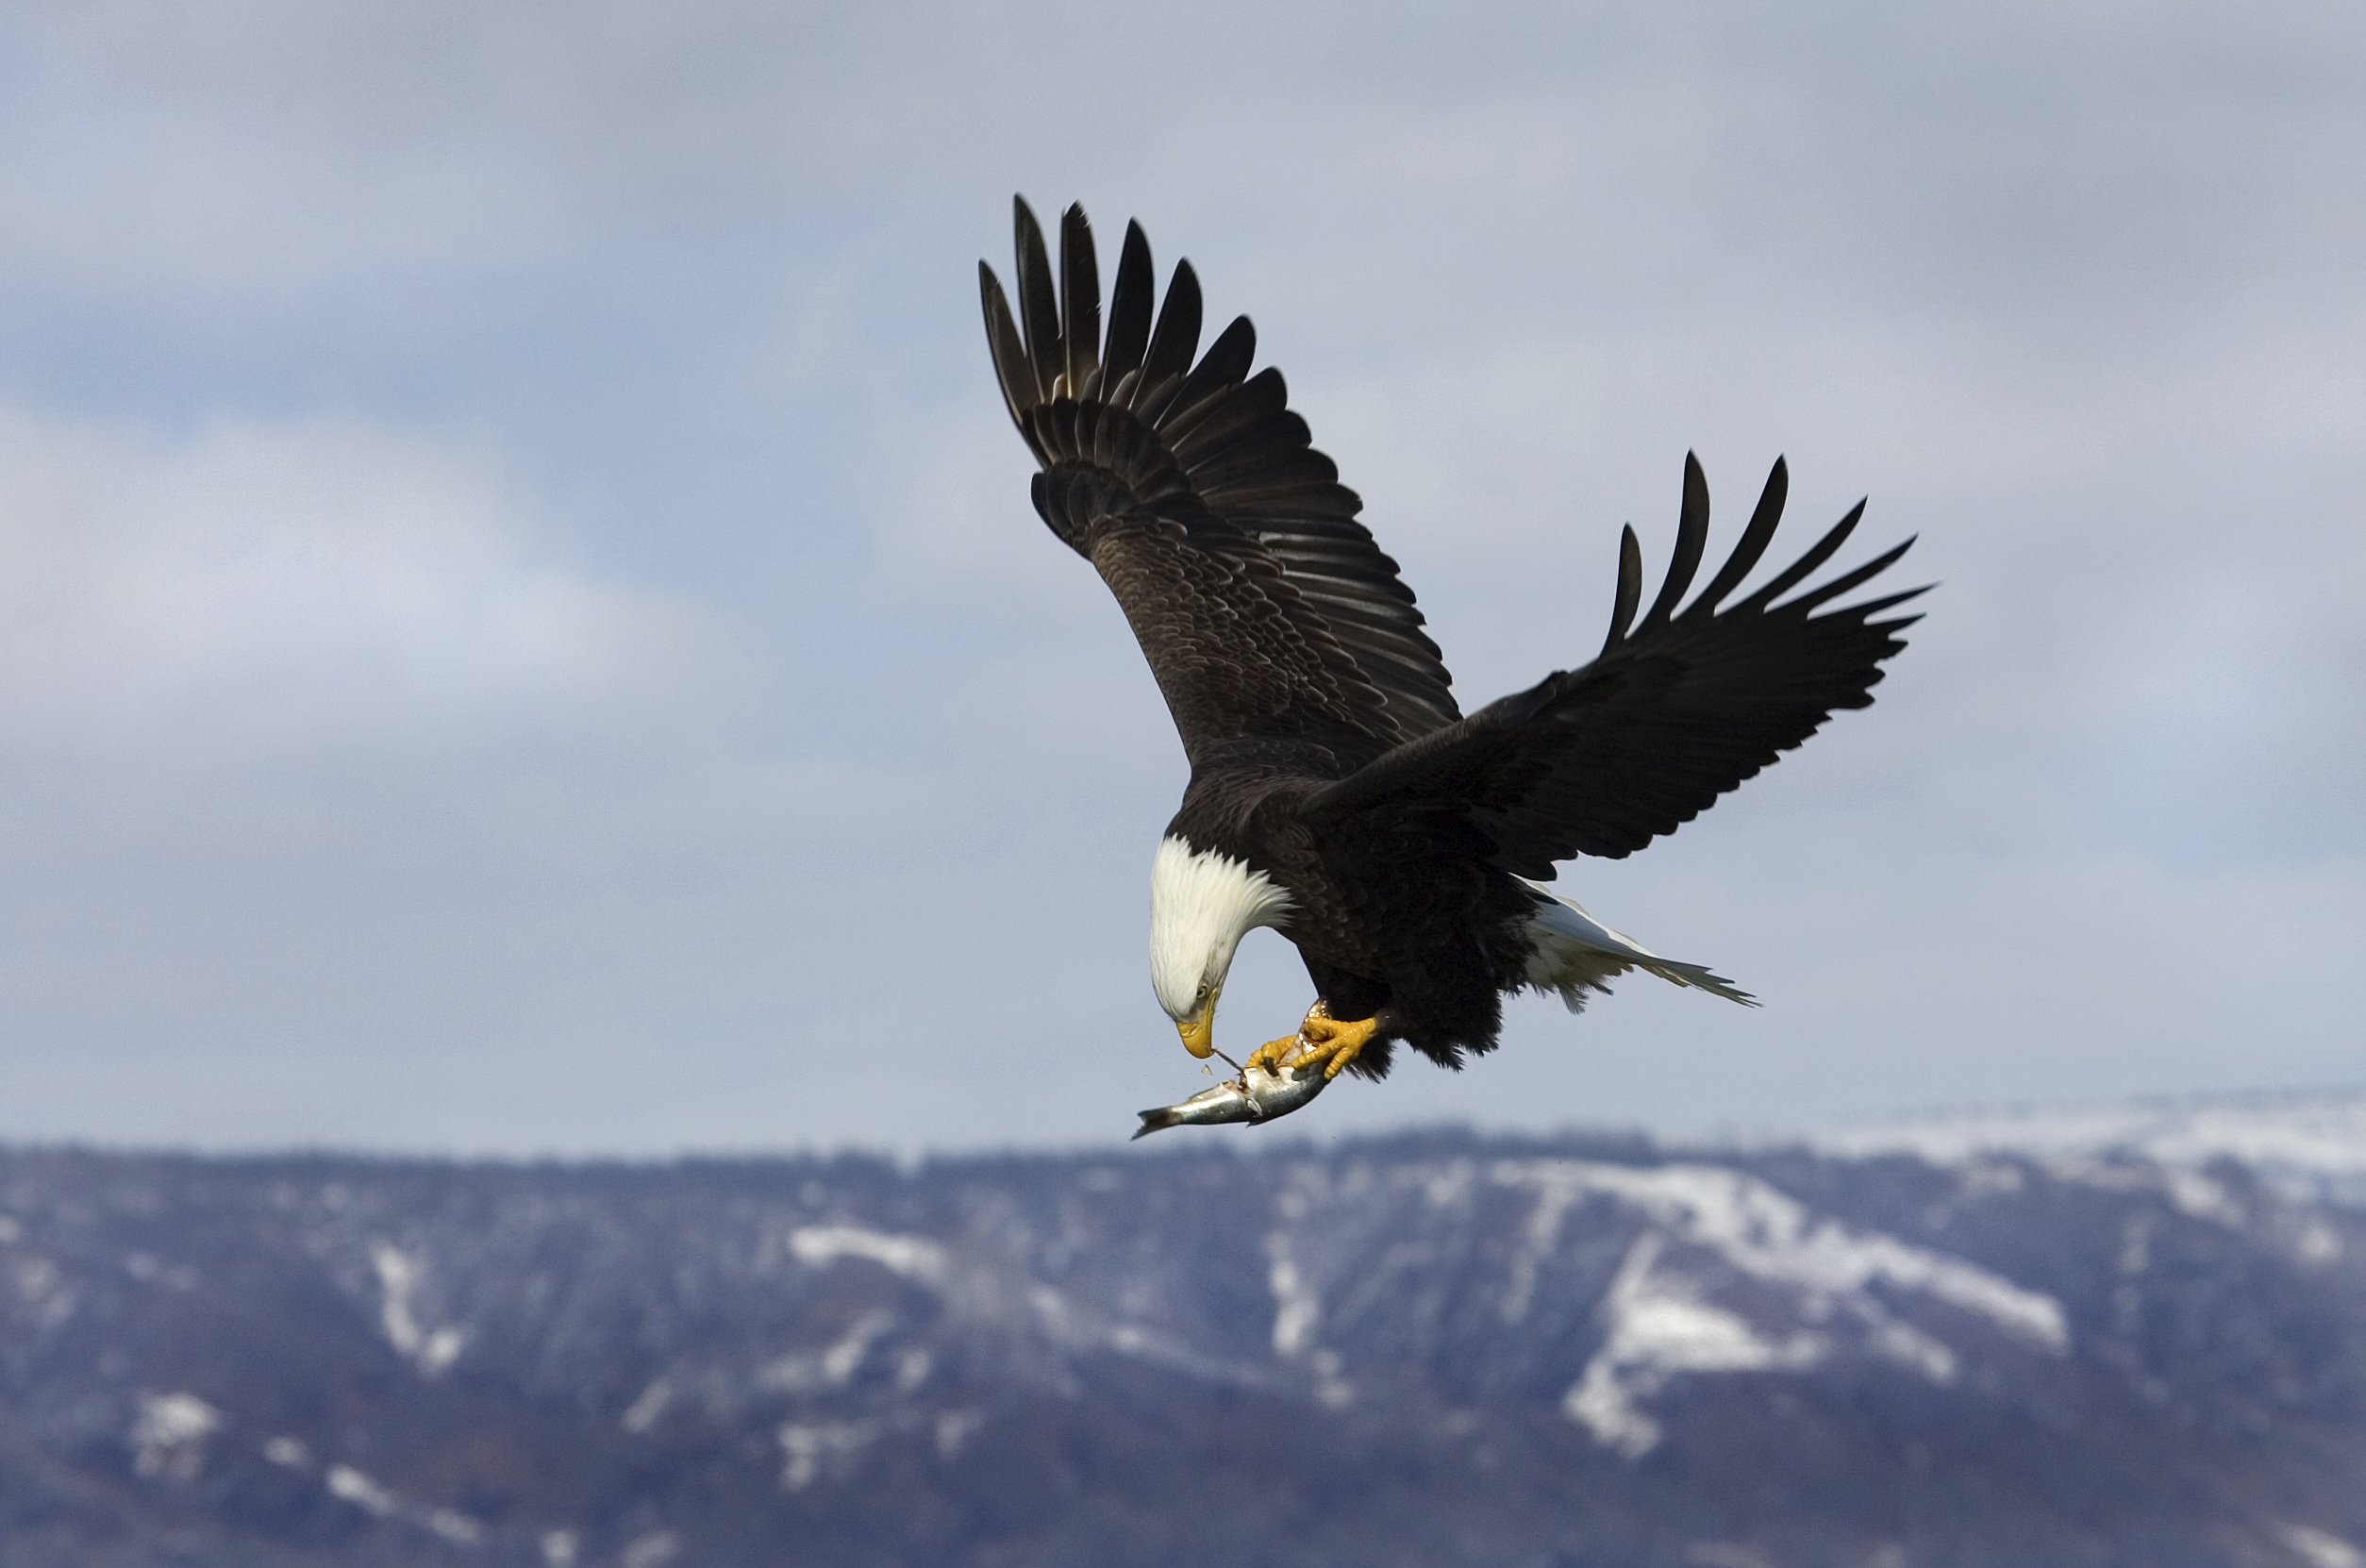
(832, 1367)
(2197, 1197)
(399, 1275)
(2320, 1549)
(376, 1498)
(168, 1438)
(1660, 1327)
(1909, 1346)
(1449, 1185)
(2317, 1243)
(2309, 1147)
(807, 1447)
(1297, 1309)
(643, 1413)
(360, 1489)
(1772, 1236)
(1659, 1323)
(41, 1285)
(1555, 1194)
(915, 1258)
(150, 1270)
(1741, 1553)
(653, 1550)
(954, 1428)
(1298, 1312)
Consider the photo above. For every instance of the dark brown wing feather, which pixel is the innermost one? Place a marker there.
(1264, 605)
(1600, 760)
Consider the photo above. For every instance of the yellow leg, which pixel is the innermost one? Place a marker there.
(1324, 1036)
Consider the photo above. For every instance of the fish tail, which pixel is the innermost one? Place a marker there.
(1157, 1121)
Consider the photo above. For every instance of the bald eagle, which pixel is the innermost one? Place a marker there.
(1336, 794)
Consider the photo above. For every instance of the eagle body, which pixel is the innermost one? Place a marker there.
(1337, 794)
(1399, 915)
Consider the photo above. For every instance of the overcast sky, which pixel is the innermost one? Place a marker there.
(521, 627)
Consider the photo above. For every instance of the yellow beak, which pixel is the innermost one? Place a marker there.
(1199, 1030)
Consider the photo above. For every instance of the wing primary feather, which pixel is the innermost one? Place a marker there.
(1079, 299)
(1691, 537)
(1039, 304)
(1630, 590)
(1817, 555)
(1010, 353)
(1245, 420)
(1752, 545)
(1874, 607)
(1130, 300)
(1175, 343)
(1846, 580)
(1227, 361)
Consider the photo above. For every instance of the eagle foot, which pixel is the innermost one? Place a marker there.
(1320, 1038)
(1269, 1054)
(1327, 1037)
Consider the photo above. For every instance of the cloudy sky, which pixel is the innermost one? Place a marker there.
(521, 627)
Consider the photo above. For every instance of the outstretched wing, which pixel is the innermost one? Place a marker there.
(1264, 608)
(1599, 761)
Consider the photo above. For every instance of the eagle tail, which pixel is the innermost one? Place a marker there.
(1571, 953)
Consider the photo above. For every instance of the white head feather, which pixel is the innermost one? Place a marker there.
(1202, 903)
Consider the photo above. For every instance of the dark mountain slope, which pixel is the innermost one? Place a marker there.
(1424, 1350)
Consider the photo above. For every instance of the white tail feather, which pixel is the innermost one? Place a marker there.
(1573, 953)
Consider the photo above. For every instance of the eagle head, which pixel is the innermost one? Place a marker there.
(1202, 903)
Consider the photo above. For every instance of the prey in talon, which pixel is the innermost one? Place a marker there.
(1339, 795)
(1258, 1095)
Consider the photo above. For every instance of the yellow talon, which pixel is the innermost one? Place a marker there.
(1320, 1038)
(1269, 1055)
(1325, 1036)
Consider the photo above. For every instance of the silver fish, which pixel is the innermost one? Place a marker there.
(1258, 1095)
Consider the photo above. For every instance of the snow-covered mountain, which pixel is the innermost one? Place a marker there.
(1422, 1350)
(2310, 1145)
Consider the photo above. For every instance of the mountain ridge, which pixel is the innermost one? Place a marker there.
(1436, 1346)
